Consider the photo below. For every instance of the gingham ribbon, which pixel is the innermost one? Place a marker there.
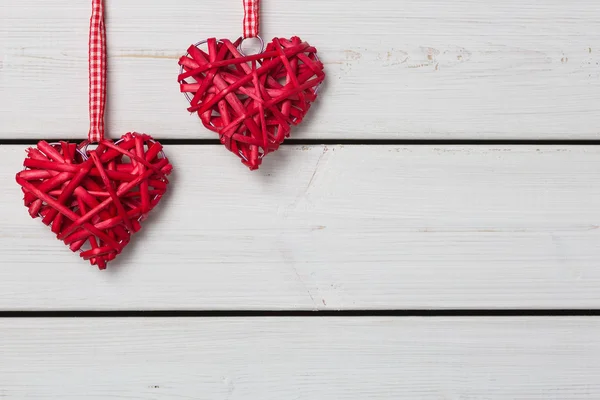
(251, 18)
(97, 72)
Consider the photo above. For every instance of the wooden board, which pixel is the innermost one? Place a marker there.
(338, 227)
(301, 358)
(397, 69)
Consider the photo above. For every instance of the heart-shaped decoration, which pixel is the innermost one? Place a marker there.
(251, 100)
(94, 201)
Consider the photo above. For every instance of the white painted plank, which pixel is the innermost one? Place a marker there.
(339, 227)
(397, 69)
(301, 358)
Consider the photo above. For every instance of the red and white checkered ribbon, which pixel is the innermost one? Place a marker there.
(251, 18)
(97, 72)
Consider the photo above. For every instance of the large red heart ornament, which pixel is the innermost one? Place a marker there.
(251, 100)
(95, 201)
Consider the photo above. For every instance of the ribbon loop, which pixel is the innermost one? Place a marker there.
(97, 66)
(251, 18)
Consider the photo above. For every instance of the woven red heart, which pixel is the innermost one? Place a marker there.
(251, 101)
(95, 201)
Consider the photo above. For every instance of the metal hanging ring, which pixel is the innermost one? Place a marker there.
(262, 45)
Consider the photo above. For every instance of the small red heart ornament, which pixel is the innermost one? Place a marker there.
(95, 201)
(251, 101)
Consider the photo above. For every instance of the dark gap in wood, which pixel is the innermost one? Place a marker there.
(301, 313)
(371, 142)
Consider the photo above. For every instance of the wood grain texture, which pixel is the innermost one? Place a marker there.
(501, 69)
(301, 358)
(338, 227)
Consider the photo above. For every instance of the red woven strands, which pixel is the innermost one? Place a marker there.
(251, 101)
(97, 64)
(95, 200)
(94, 205)
(251, 18)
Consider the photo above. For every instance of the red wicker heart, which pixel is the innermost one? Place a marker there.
(251, 101)
(95, 201)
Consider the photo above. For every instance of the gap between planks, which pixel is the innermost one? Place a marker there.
(354, 142)
(431, 313)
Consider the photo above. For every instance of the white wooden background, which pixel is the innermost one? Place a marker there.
(321, 227)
